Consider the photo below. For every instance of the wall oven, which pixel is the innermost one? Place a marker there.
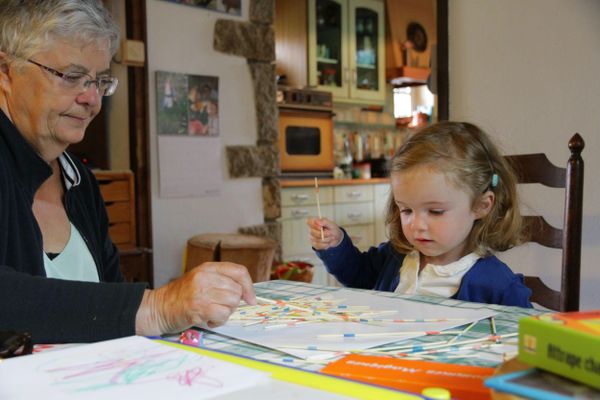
(305, 132)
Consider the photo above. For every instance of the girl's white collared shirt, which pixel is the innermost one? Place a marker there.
(434, 280)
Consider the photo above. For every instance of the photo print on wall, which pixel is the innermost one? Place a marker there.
(233, 7)
(187, 104)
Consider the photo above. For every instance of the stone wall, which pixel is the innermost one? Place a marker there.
(255, 40)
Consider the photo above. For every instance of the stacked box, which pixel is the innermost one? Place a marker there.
(567, 344)
(464, 382)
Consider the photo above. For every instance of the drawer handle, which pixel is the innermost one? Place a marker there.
(354, 215)
(299, 213)
(300, 197)
(354, 195)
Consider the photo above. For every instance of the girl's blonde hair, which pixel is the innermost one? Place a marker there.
(469, 159)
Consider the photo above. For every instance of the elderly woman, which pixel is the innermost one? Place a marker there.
(59, 271)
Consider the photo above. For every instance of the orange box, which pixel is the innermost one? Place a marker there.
(463, 381)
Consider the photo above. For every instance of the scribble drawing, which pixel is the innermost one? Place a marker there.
(194, 376)
(134, 367)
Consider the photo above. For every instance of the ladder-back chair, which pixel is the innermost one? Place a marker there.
(536, 168)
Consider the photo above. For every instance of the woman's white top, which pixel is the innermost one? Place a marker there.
(434, 280)
(74, 263)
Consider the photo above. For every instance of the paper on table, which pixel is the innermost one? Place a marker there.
(296, 339)
(132, 367)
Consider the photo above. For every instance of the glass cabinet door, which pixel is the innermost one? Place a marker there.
(365, 22)
(346, 49)
(367, 49)
(328, 50)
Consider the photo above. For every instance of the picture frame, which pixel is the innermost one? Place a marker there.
(232, 7)
(187, 105)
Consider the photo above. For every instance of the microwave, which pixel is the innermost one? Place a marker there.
(305, 132)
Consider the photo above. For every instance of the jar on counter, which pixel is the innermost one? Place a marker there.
(362, 170)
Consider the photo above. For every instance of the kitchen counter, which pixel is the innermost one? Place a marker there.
(285, 183)
(356, 204)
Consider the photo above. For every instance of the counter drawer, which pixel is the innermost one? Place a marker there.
(353, 194)
(289, 213)
(120, 233)
(362, 236)
(354, 214)
(305, 195)
(118, 211)
(382, 192)
(117, 189)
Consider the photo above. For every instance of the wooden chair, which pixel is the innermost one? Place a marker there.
(536, 168)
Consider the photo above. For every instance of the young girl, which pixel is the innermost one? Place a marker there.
(453, 202)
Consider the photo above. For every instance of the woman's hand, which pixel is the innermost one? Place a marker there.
(207, 294)
(332, 234)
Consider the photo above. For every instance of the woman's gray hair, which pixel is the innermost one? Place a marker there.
(29, 26)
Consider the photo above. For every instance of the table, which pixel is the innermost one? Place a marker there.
(289, 377)
(506, 322)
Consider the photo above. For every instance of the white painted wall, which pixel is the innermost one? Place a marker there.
(180, 40)
(526, 71)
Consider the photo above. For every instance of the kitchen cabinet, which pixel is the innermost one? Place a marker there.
(297, 204)
(354, 212)
(291, 36)
(355, 207)
(414, 22)
(381, 192)
(346, 49)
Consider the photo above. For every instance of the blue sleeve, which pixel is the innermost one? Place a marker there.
(491, 281)
(377, 268)
(516, 293)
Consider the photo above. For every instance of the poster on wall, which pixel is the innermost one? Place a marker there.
(233, 7)
(187, 104)
(189, 146)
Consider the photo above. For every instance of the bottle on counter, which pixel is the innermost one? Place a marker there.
(358, 147)
(376, 151)
(388, 145)
(346, 160)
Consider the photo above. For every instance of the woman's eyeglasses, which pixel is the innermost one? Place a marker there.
(79, 82)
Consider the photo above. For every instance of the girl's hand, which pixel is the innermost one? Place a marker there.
(332, 234)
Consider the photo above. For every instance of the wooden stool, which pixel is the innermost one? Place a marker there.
(254, 252)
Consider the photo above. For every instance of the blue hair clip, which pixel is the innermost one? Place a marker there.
(495, 180)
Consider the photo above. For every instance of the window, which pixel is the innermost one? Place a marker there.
(409, 101)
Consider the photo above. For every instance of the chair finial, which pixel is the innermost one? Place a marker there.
(576, 144)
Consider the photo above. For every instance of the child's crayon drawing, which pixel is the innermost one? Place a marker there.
(122, 368)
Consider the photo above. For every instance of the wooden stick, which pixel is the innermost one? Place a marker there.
(463, 342)
(467, 329)
(265, 300)
(378, 334)
(410, 320)
(284, 304)
(319, 205)
(493, 327)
